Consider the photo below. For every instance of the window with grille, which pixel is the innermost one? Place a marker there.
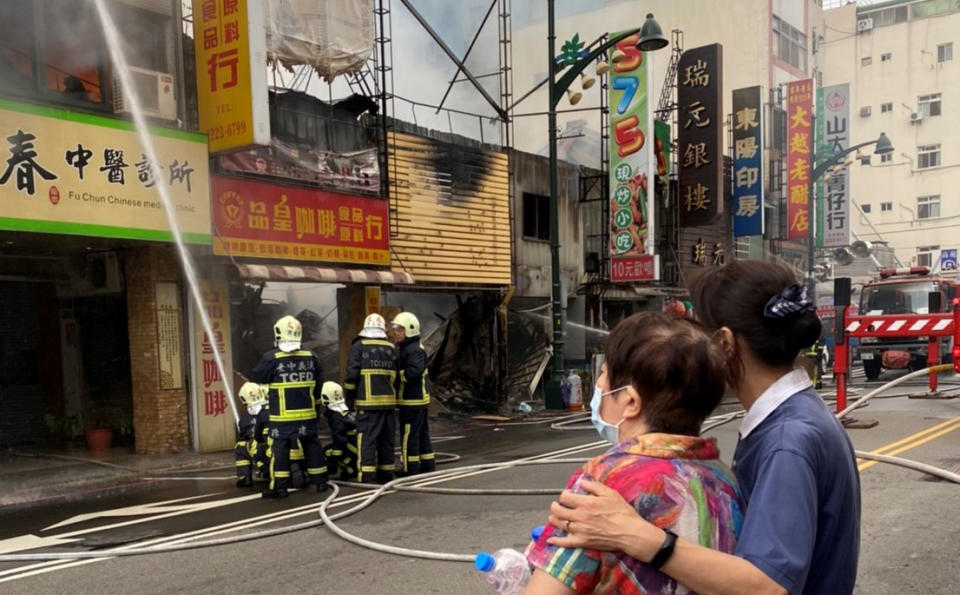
(945, 52)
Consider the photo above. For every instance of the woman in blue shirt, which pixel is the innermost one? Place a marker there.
(794, 461)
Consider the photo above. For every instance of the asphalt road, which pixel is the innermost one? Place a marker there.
(910, 529)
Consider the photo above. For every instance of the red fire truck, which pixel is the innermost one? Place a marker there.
(898, 292)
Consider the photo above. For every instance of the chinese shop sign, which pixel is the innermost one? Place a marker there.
(834, 217)
(284, 222)
(214, 420)
(631, 166)
(229, 37)
(748, 216)
(71, 173)
(700, 143)
(799, 108)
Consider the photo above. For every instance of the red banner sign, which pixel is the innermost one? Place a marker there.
(799, 110)
(283, 222)
(624, 269)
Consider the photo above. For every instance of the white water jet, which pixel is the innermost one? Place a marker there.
(120, 65)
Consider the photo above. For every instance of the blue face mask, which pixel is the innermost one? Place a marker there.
(609, 432)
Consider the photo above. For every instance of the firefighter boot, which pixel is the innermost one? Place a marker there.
(274, 494)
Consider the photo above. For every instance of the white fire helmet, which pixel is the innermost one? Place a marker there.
(409, 323)
(374, 327)
(254, 396)
(331, 395)
(288, 332)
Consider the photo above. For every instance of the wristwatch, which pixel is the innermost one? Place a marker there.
(665, 551)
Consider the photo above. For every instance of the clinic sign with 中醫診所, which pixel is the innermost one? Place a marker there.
(70, 173)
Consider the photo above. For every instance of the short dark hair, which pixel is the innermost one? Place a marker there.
(673, 364)
(735, 296)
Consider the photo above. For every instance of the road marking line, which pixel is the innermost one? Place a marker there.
(55, 565)
(912, 445)
(883, 449)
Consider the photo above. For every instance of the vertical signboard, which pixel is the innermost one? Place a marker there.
(371, 299)
(748, 217)
(799, 108)
(835, 124)
(169, 341)
(631, 165)
(214, 422)
(819, 148)
(229, 38)
(700, 141)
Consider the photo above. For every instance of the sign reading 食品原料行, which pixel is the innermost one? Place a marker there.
(230, 44)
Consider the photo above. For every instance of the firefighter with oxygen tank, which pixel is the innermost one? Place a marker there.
(413, 397)
(291, 374)
(369, 385)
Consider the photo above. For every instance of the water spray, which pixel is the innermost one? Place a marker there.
(163, 189)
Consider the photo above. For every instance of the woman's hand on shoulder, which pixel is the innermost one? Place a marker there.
(603, 520)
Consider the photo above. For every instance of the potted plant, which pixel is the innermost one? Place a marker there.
(98, 435)
(62, 428)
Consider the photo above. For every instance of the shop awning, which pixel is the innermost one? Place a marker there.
(306, 274)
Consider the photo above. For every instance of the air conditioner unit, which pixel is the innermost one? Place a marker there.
(916, 117)
(155, 90)
(865, 111)
(864, 25)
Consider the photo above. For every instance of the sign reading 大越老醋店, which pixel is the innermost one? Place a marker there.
(71, 173)
(799, 127)
(748, 215)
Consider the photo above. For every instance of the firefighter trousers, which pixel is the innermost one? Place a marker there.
(376, 438)
(244, 455)
(342, 457)
(416, 452)
(283, 441)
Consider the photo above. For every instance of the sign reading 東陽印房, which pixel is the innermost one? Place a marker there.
(748, 215)
(71, 173)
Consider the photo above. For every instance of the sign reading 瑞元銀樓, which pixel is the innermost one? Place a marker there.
(699, 135)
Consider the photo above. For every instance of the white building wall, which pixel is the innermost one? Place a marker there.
(911, 70)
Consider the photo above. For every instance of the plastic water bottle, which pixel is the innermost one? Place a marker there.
(507, 570)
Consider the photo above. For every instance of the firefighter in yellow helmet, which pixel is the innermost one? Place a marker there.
(342, 453)
(413, 398)
(249, 452)
(292, 374)
(369, 385)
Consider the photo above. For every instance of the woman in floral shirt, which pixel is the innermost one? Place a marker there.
(662, 378)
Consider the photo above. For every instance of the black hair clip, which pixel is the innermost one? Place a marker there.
(790, 301)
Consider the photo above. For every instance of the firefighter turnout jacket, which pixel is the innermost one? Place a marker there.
(371, 374)
(292, 378)
(412, 373)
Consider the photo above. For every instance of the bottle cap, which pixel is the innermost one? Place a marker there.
(536, 532)
(484, 562)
